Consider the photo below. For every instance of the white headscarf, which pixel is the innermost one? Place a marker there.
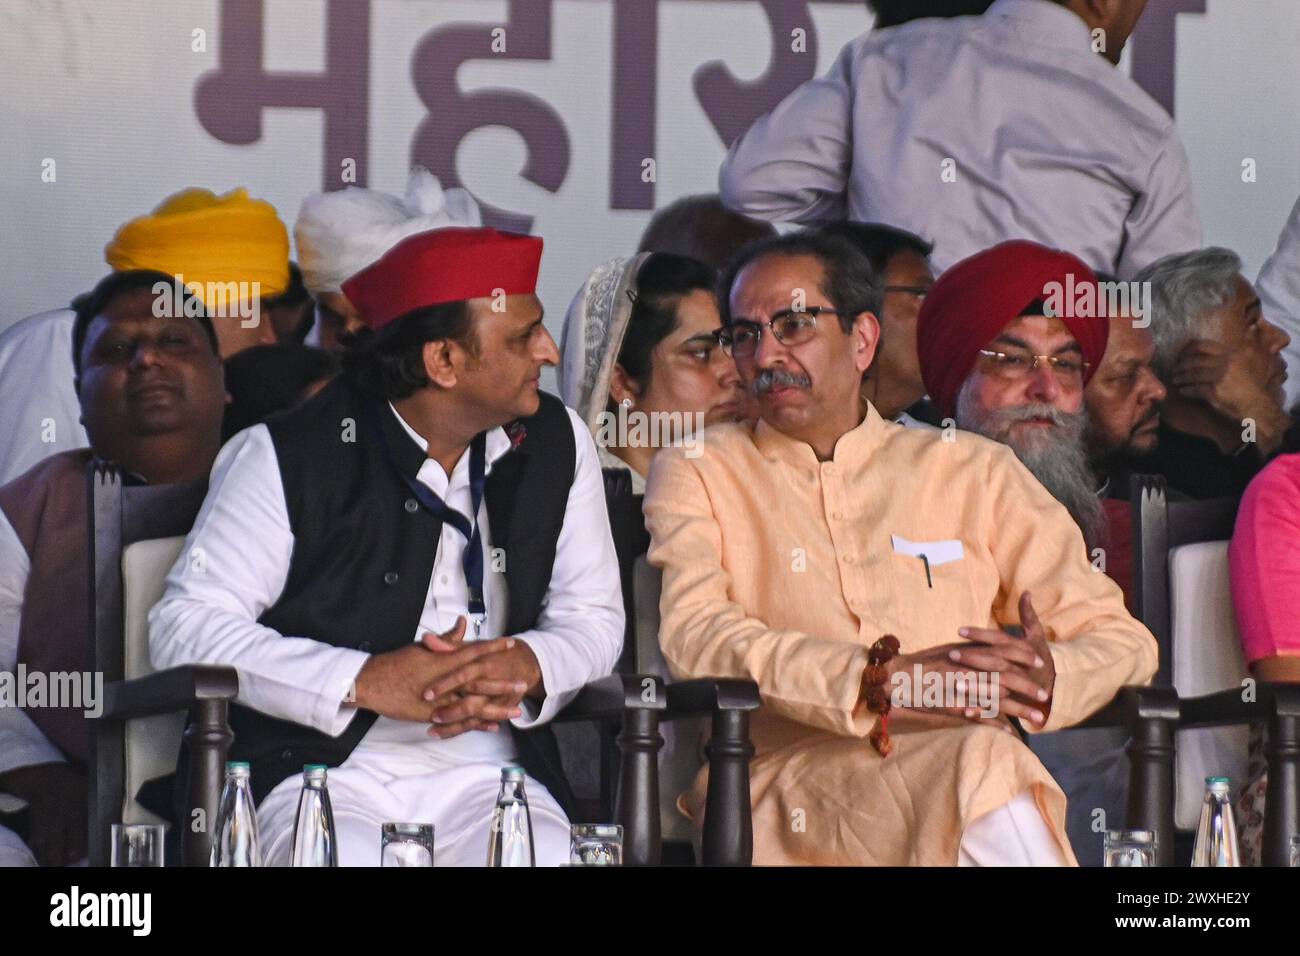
(340, 233)
(594, 328)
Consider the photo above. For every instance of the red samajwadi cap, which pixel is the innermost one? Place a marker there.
(444, 265)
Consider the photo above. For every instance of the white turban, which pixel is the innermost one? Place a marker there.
(340, 233)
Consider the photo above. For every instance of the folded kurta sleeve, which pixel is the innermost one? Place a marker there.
(704, 633)
(793, 163)
(1097, 646)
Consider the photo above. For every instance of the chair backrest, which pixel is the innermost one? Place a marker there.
(1159, 525)
(683, 753)
(125, 583)
(1182, 594)
(1207, 657)
(151, 743)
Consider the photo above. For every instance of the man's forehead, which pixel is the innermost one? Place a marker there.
(1049, 331)
(1127, 338)
(523, 308)
(775, 277)
(135, 307)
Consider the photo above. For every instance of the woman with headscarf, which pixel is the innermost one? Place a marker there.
(639, 348)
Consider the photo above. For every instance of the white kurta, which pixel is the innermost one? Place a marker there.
(22, 743)
(975, 130)
(42, 415)
(397, 773)
(1278, 286)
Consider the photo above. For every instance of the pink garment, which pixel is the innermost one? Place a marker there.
(1265, 562)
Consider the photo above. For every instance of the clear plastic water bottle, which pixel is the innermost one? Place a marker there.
(1216, 834)
(314, 842)
(237, 842)
(511, 842)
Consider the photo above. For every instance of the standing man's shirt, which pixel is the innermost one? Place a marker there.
(42, 415)
(972, 131)
(1278, 286)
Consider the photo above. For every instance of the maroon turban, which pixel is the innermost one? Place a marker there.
(980, 296)
(444, 265)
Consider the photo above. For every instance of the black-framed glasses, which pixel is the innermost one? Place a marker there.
(920, 291)
(1016, 365)
(789, 327)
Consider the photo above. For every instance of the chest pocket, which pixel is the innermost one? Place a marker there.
(932, 590)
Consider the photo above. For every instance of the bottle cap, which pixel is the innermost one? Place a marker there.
(1211, 781)
(512, 773)
(236, 765)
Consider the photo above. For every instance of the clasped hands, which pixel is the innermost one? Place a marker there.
(453, 685)
(1023, 665)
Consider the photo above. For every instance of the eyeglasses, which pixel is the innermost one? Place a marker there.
(740, 339)
(1014, 366)
(920, 291)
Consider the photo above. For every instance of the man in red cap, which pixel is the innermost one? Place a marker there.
(409, 564)
(1006, 347)
(791, 546)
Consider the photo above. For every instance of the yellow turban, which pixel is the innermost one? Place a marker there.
(206, 238)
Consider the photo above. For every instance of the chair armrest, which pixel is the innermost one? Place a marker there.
(1133, 704)
(168, 691)
(705, 695)
(607, 698)
(1227, 707)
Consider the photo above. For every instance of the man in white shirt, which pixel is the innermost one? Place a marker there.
(395, 575)
(975, 130)
(1279, 291)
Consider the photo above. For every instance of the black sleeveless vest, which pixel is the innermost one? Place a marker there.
(364, 552)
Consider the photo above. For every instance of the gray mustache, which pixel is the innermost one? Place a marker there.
(1023, 413)
(770, 378)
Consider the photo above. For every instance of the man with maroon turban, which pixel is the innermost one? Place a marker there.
(1007, 340)
(413, 571)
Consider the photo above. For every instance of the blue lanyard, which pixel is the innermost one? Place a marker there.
(472, 561)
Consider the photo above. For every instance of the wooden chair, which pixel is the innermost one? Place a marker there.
(1181, 593)
(712, 709)
(136, 533)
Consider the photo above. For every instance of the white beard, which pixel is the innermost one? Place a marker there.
(1055, 456)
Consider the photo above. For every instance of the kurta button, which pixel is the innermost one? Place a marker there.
(848, 559)
(829, 469)
(838, 516)
(412, 505)
(390, 577)
(286, 755)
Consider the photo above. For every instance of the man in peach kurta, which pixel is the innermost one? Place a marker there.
(788, 547)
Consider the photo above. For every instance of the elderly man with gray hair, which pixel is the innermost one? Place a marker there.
(1221, 361)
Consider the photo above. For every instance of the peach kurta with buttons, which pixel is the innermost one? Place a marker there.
(782, 569)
